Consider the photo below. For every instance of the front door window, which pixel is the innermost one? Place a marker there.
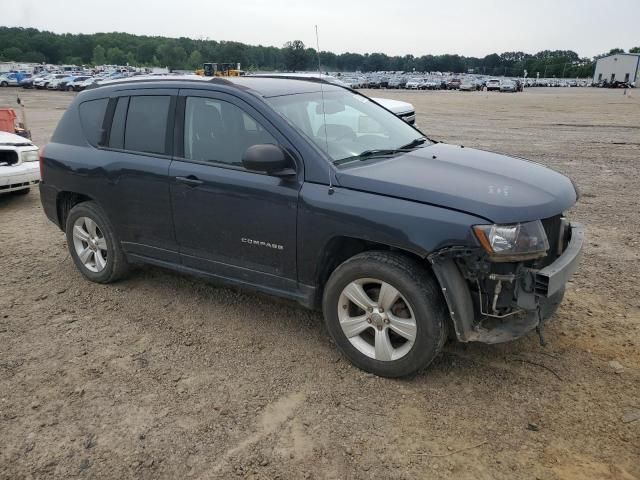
(219, 132)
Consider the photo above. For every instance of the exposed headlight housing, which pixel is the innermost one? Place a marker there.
(30, 156)
(515, 242)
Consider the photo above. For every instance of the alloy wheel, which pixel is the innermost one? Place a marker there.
(377, 319)
(90, 244)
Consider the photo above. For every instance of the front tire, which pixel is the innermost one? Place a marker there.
(385, 312)
(93, 244)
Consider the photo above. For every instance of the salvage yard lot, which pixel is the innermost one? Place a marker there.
(166, 376)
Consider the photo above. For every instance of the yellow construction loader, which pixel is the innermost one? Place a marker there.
(220, 70)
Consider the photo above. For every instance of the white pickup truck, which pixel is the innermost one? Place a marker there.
(19, 166)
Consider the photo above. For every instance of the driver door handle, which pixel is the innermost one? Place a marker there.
(190, 180)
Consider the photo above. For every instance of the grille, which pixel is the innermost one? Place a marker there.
(409, 117)
(18, 185)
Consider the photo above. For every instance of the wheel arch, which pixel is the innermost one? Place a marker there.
(454, 290)
(65, 201)
(340, 248)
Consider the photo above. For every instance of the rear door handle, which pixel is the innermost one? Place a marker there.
(190, 180)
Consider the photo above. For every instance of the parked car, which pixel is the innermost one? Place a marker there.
(397, 83)
(88, 82)
(413, 84)
(9, 80)
(468, 86)
(27, 79)
(374, 82)
(618, 84)
(454, 84)
(404, 110)
(352, 82)
(51, 82)
(19, 167)
(430, 85)
(399, 240)
(58, 81)
(493, 84)
(508, 86)
(394, 83)
(75, 84)
(42, 81)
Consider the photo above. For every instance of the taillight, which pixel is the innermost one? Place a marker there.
(40, 160)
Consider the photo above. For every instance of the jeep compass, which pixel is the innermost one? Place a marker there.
(313, 192)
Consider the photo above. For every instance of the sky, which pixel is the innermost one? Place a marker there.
(395, 27)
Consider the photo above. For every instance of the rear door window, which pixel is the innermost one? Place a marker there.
(146, 124)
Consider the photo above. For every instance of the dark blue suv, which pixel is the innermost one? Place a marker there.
(313, 192)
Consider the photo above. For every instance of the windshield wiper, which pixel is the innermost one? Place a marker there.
(414, 143)
(383, 152)
(368, 154)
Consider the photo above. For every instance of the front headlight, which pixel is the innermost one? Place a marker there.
(30, 156)
(516, 242)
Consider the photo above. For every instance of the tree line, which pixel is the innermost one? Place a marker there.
(32, 45)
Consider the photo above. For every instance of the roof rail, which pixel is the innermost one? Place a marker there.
(158, 78)
(293, 76)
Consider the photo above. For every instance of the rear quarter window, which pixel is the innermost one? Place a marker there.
(91, 118)
(116, 136)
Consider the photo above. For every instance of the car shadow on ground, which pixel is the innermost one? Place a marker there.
(12, 199)
(303, 326)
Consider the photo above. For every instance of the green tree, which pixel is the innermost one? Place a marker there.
(115, 56)
(139, 50)
(295, 56)
(195, 60)
(613, 51)
(12, 54)
(99, 57)
(171, 55)
(33, 56)
(634, 50)
(145, 51)
(73, 60)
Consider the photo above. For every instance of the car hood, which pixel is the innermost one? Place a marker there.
(497, 187)
(11, 139)
(396, 106)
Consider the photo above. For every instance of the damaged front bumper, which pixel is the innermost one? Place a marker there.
(493, 307)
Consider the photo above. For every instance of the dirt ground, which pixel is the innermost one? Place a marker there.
(164, 376)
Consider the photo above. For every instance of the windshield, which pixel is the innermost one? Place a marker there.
(354, 124)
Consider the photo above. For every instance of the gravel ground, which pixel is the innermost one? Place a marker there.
(164, 376)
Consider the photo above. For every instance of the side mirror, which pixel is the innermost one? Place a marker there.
(268, 158)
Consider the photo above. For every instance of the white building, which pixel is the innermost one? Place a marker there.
(621, 67)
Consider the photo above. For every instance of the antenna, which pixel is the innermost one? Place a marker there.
(324, 115)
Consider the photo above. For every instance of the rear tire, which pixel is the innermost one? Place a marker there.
(391, 338)
(91, 236)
